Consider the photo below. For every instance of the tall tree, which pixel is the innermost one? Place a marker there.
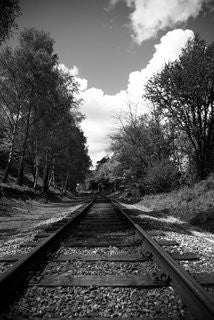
(184, 93)
(37, 60)
(64, 103)
(39, 104)
(14, 94)
(9, 10)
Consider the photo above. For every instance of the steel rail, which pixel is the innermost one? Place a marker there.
(16, 277)
(196, 299)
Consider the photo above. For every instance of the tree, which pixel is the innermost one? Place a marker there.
(9, 10)
(78, 161)
(28, 81)
(37, 60)
(14, 94)
(108, 173)
(143, 145)
(40, 107)
(61, 130)
(140, 142)
(183, 92)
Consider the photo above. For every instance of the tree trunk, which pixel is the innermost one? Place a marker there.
(52, 175)
(65, 184)
(36, 173)
(19, 179)
(45, 174)
(7, 170)
(202, 168)
(10, 156)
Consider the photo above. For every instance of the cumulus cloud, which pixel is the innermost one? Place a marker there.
(150, 16)
(167, 50)
(74, 71)
(100, 109)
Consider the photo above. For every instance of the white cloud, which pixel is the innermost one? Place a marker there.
(74, 71)
(167, 50)
(150, 16)
(100, 109)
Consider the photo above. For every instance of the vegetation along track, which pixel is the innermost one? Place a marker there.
(102, 264)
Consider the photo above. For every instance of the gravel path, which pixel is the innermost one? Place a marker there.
(66, 303)
(99, 250)
(100, 268)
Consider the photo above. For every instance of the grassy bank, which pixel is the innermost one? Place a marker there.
(194, 204)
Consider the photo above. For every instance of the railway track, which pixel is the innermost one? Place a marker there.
(102, 264)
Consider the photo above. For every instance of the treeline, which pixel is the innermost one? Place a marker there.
(39, 115)
(174, 144)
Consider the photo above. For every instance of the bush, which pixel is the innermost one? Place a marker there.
(209, 183)
(163, 176)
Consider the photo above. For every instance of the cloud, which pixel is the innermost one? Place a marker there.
(150, 16)
(167, 50)
(74, 71)
(100, 109)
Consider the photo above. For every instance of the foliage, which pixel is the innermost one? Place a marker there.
(162, 176)
(176, 141)
(106, 175)
(183, 94)
(193, 204)
(9, 10)
(141, 147)
(140, 144)
(40, 107)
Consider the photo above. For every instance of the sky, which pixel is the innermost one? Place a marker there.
(113, 47)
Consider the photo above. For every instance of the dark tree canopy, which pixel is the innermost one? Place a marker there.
(183, 93)
(9, 10)
(39, 108)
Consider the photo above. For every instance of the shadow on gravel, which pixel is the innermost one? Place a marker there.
(152, 220)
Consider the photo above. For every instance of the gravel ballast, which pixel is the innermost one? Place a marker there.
(111, 250)
(66, 303)
(100, 268)
(194, 244)
(95, 302)
(4, 266)
(188, 242)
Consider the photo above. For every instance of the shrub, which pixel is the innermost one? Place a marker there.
(209, 183)
(163, 176)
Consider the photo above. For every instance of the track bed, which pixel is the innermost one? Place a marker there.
(101, 267)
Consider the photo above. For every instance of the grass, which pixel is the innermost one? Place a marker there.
(194, 205)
